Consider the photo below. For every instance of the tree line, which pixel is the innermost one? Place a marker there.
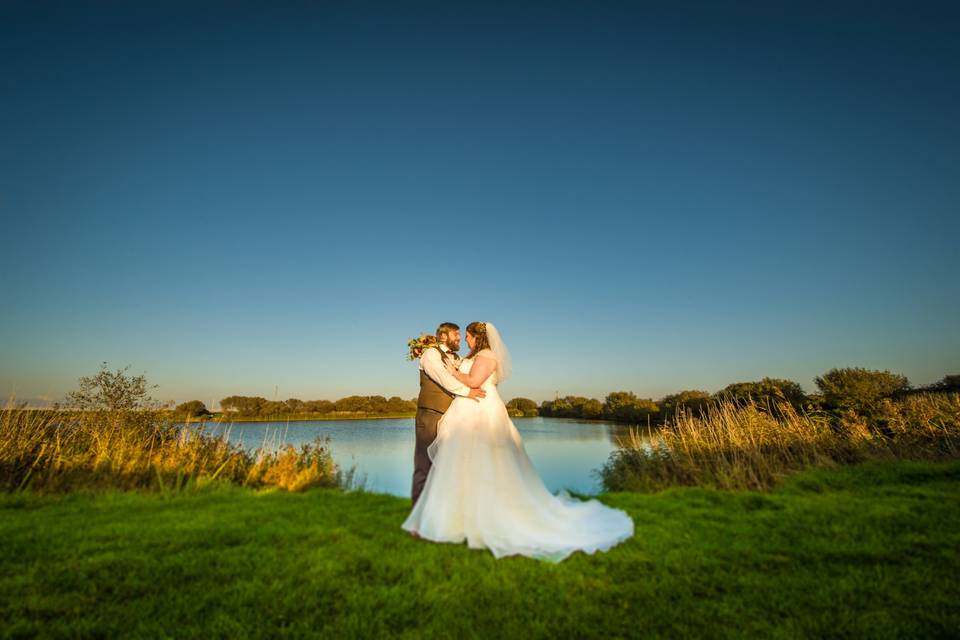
(258, 407)
(840, 389)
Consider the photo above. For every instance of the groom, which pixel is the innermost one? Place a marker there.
(438, 388)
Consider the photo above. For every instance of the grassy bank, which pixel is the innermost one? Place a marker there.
(748, 445)
(866, 550)
(62, 451)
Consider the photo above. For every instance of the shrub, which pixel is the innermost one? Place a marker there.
(192, 408)
(949, 383)
(111, 391)
(767, 391)
(591, 409)
(745, 445)
(691, 401)
(625, 406)
(119, 438)
(561, 408)
(522, 407)
(293, 470)
(858, 389)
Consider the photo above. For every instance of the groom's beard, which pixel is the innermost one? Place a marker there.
(453, 346)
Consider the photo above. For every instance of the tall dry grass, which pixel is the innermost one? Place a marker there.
(63, 450)
(745, 445)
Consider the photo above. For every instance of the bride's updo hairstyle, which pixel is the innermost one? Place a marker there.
(479, 331)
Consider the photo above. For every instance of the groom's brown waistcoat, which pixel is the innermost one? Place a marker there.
(432, 395)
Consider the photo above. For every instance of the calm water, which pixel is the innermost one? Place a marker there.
(566, 453)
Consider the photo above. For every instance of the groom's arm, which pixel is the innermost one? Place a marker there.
(432, 363)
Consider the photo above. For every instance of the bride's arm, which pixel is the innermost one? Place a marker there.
(482, 367)
(433, 365)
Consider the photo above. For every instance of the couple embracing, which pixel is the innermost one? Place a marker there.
(472, 478)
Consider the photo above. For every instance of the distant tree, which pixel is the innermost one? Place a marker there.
(625, 406)
(568, 407)
(112, 391)
(272, 408)
(859, 389)
(765, 390)
(256, 406)
(948, 383)
(192, 408)
(691, 401)
(243, 406)
(561, 408)
(378, 404)
(318, 406)
(577, 403)
(618, 403)
(522, 407)
(229, 404)
(354, 404)
(396, 404)
(592, 408)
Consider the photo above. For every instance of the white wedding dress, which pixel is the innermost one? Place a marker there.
(482, 488)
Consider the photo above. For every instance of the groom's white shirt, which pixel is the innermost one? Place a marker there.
(432, 364)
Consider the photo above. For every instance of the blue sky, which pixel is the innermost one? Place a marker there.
(245, 198)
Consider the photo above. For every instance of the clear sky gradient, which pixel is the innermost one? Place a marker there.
(248, 197)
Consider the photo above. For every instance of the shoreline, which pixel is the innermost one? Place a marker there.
(326, 417)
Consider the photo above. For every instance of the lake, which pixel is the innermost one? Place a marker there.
(566, 452)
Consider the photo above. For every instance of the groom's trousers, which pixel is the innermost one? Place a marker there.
(425, 425)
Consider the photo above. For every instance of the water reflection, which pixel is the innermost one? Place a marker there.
(566, 453)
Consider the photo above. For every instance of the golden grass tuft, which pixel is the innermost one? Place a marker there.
(745, 445)
(60, 450)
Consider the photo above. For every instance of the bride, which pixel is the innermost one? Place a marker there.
(482, 487)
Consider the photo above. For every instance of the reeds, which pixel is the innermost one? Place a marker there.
(63, 450)
(745, 445)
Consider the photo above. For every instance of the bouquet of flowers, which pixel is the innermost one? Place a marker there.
(417, 346)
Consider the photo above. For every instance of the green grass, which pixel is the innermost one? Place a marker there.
(871, 550)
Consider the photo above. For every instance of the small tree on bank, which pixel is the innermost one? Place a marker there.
(859, 389)
(112, 391)
(625, 406)
(192, 408)
(765, 390)
(692, 401)
(522, 407)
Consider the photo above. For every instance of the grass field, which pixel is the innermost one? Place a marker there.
(871, 550)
